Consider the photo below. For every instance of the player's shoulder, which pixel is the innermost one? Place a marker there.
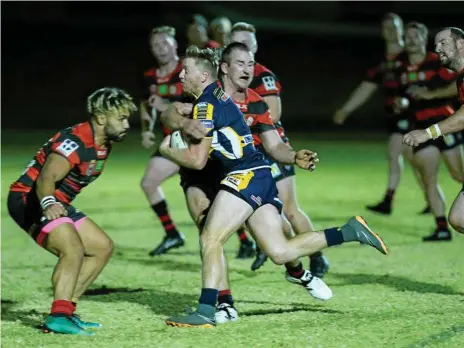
(150, 73)
(80, 134)
(262, 70)
(256, 104)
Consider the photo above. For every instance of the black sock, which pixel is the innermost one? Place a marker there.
(209, 296)
(389, 196)
(295, 272)
(442, 223)
(316, 255)
(242, 235)
(161, 209)
(334, 236)
(225, 296)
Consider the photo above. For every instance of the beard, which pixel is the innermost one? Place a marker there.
(114, 137)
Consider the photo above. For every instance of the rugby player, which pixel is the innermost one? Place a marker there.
(449, 44)
(162, 87)
(397, 121)
(247, 191)
(424, 70)
(201, 187)
(39, 201)
(266, 85)
(220, 30)
(197, 33)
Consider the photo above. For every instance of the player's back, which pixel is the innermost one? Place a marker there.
(232, 142)
(76, 144)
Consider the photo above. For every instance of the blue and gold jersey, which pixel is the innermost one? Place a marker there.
(232, 139)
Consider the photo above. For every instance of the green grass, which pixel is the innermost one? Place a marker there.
(412, 298)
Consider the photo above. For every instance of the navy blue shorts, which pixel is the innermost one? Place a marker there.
(256, 187)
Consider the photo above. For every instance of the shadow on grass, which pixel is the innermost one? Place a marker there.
(31, 318)
(438, 338)
(396, 282)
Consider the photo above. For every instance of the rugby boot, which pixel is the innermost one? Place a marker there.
(260, 259)
(427, 210)
(318, 264)
(383, 207)
(247, 250)
(365, 235)
(84, 324)
(168, 243)
(315, 286)
(63, 325)
(442, 235)
(203, 317)
(225, 313)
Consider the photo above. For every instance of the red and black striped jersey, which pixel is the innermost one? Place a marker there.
(266, 83)
(168, 87)
(384, 75)
(432, 75)
(77, 145)
(460, 85)
(256, 113)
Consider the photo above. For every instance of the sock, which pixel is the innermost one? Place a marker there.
(389, 196)
(242, 235)
(335, 235)
(316, 255)
(225, 296)
(62, 308)
(295, 272)
(161, 209)
(209, 296)
(442, 223)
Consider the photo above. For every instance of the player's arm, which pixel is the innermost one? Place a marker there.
(452, 124)
(357, 98)
(194, 157)
(275, 106)
(56, 167)
(284, 153)
(448, 91)
(176, 118)
(147, 122)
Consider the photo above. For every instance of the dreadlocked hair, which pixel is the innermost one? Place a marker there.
(207, 58)
(110, 100)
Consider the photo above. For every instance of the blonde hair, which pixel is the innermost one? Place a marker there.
(390, 16)
(207, 58)
(110, 101)
(242, 26)
(164, 29)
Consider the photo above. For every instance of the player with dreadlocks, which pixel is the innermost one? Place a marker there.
(40, 203)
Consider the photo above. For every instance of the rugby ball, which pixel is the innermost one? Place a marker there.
(178, 141)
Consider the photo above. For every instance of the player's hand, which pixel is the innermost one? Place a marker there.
(165, 145)
(416, 137)
(417, 92)
(184, 109)
(54, 211)
(155, 101)
(194, 129)
(306, 159)
(339, 117)
(148, 139)
(400, 104)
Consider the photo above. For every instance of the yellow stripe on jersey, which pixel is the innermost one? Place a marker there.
(203, 111)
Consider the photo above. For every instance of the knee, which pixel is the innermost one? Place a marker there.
(278, 256)
(75, 252)
(457, 222)
(458, 176)
(148, 181)
(106, 248)
(208, 241)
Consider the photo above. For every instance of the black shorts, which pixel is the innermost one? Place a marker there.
(397, 124)
(207, 179)
(25, 210)
(444, 143)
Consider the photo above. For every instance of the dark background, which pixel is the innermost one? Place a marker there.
(55, 53)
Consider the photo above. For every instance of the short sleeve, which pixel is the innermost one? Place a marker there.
(207, 114)
(69, 147)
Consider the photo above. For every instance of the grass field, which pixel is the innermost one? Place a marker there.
(412, 298)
